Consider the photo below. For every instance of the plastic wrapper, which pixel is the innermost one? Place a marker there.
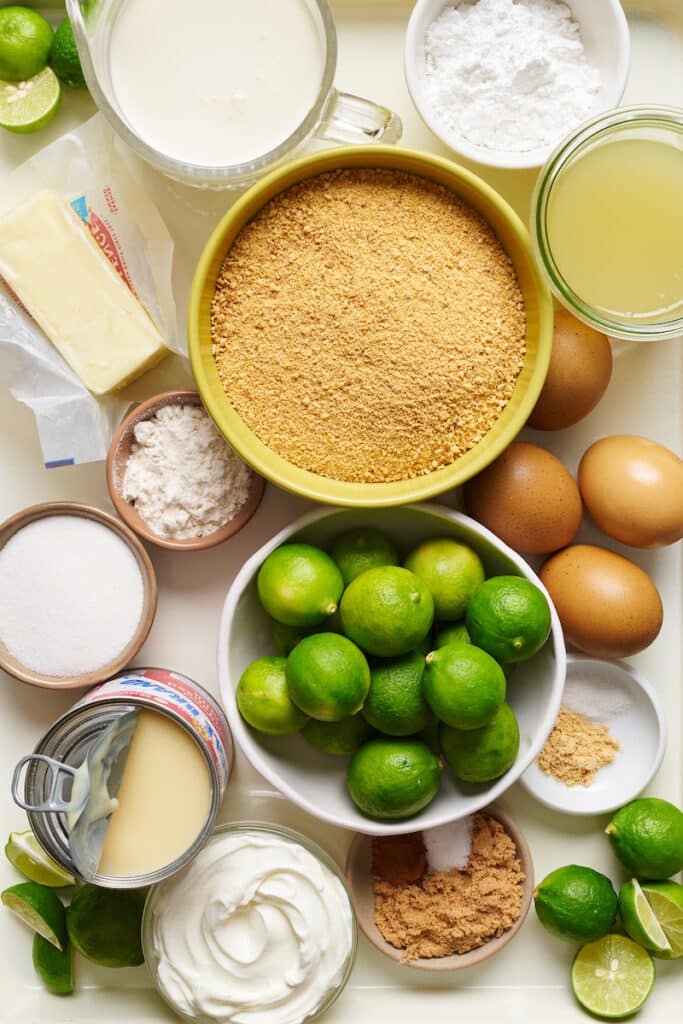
(74, 426)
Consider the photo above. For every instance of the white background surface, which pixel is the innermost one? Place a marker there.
(529, 980)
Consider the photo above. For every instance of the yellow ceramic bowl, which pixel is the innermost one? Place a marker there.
(539, 312)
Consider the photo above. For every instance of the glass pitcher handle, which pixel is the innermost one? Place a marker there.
(351, 119)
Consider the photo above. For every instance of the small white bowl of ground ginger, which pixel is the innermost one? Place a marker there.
(445, 898)
(607, 744)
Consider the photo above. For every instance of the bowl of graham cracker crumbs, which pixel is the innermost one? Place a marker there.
(444, 898)
(368, 327)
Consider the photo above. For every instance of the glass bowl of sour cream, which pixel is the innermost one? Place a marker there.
(259, 927)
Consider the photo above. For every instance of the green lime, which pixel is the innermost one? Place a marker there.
(395, 703)
(387, 611)
(263, 698)
(64, 58)
(612, 977)
(364, 548)
(576, 904)
(54, 967)
(647, 837)
(450, 570)
(40, 908)
(509, 618)
(342, 737)
(640, 920)
(25, 41)
(463, 686)
(453, 633)
(328, 677)
(481, 755)
(104, 925)
(27, 855)
(666, 902)
(299, 585)
(393, 778)
(27, 106)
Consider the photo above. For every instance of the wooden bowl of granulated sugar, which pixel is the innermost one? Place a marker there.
(190, 490)
(496, 856)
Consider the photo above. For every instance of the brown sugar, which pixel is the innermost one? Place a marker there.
(399, 859)
(368, 325)
(455, 911)
(576, 749)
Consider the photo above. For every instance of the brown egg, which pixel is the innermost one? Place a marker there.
(527, 498)
(608, 606)
(579, 372)
(633, 489)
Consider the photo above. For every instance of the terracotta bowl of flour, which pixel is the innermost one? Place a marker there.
(117, 459)
(361, 886)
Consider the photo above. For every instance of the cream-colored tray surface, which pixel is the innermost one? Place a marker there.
(528, 982)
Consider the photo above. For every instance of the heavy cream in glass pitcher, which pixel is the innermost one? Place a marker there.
(216, 92)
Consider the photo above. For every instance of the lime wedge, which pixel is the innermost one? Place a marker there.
(29, 105)
(639, 919)
(27, 855)
(666, 901)
(40, 908)
(54, 967)
(612, 977)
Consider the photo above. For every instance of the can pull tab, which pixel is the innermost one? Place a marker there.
(59, 775)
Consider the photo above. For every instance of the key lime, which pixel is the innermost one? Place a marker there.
(640, 920)
(576, 904)
(328, 677)
(54, 967)
(450, 570)
(387, 611)
(455, 633)
(508, 617)
(395, 703)
(393, 778)
(64, 58)
(25, 41)
(342, 737)
(263, 698)
(612, 977)
(104, 925)
(40, 908)
(356, 551)
(647, 837)
(29, 105)
(27, 855)
(463, 686)
(481, 755)
(299, 585)
(666, 902)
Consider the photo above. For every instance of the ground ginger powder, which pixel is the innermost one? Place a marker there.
(455, 911)
(576, 749)
(368, 325)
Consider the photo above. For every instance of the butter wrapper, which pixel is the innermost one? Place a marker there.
(86, 167)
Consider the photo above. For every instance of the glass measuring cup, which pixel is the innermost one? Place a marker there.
(334, 116)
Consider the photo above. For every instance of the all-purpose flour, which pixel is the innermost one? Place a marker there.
(509, 74)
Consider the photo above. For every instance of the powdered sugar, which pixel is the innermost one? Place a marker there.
(508, 74)
(182, 477)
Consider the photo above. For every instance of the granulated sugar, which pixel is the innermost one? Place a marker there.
(71, 595)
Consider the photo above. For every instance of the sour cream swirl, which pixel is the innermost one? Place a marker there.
(256, 930)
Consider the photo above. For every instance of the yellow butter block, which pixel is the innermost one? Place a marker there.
(52, 262)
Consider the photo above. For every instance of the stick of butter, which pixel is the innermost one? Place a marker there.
(55, 266)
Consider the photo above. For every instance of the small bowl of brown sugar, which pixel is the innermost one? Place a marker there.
(445, 898)
(367, 326)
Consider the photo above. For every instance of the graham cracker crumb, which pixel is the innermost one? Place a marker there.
(576, 749)
(368, 325)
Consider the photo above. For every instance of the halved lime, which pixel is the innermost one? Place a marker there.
(54, 967)
(29, 105)
(40, 908)
(612, 977)
(666, 901)
(27, 855)
(639, 919)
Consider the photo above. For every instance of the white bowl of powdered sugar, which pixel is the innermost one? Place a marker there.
(502, 82)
